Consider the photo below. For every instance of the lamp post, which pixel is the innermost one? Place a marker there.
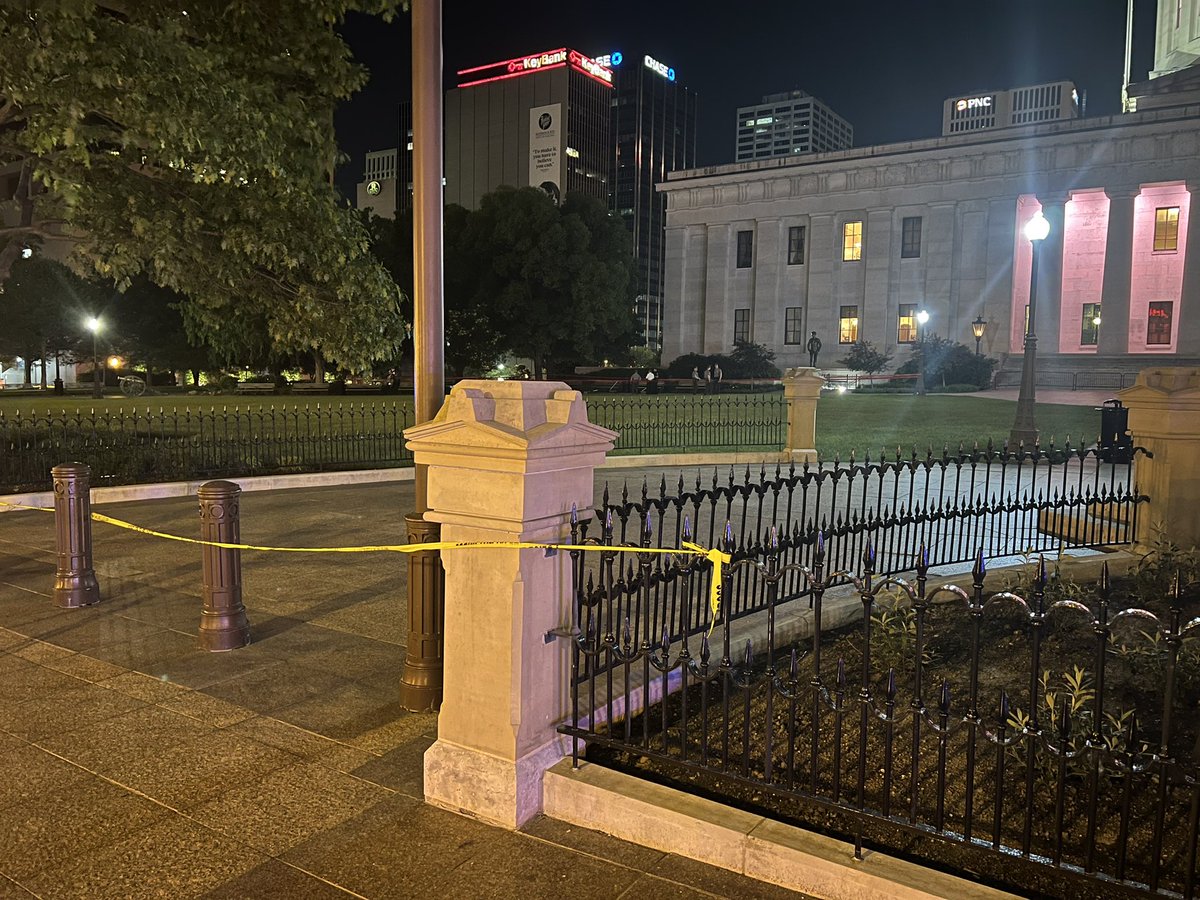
(977, 328)
(1024, 427)
(922, 319)
(93, 325)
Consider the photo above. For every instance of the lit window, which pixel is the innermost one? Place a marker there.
(793, 332)
(910, 237)
(745, 249)
(1166, 228)
(848, 325)
(852, 242)
(906, 324)
(741, 325)
(796, 245)
(1089, 326)
(1158, 322)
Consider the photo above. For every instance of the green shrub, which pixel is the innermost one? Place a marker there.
(947, 362)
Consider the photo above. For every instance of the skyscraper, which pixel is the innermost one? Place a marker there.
(653, 133)
(790, 124)
(540, 120)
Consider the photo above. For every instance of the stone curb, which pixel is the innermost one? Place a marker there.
(163, 490)
(674, 822)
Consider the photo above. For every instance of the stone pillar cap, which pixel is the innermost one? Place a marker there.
(509, 419)
(1167, 381)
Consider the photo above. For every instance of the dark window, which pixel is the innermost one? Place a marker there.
(1158, 323)
(796, 245)
(793, 332)
(741, 323)
(910, 237)
(1089, 329)
(745, 249)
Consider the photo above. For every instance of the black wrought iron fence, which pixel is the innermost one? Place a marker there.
(131, 446)
(1009, 502)
(1039, 735)
(684, 424)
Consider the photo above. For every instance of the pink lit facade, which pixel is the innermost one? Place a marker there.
(762, 248)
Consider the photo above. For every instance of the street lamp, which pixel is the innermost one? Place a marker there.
(922, 319)
(977, 328)
(93, 325)
(1024, 427)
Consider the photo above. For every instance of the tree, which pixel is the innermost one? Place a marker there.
(195, 146)
(557, 278)
(148, 329)
(751, 360)
(864, 357)
(948, 362)
(44, 305)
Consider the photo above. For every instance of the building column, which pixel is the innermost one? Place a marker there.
(719, 262)
(1050, 274)
(1118, 271)
(1188, 342)
(508, 462)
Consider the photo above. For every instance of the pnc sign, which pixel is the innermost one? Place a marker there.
(661, 68)
(973, 103)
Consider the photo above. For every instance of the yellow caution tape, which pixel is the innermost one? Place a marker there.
(718, 558)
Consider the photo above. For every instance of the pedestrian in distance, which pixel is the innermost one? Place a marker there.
(717, 376)
(635, 383)
(651, 384)
(814, 347)
(695, 379)
(708, 382)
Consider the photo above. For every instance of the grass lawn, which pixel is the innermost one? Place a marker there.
(848, 422)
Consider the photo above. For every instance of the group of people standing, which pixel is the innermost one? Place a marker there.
(710, 380)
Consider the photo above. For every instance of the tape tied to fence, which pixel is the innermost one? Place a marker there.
(717, 557)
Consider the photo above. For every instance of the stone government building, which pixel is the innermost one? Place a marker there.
(851, 244)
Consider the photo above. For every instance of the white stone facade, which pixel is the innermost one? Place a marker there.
(1100, 180)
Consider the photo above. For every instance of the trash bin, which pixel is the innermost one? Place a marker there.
(1116, 443)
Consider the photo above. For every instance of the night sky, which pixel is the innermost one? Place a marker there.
(885, 66)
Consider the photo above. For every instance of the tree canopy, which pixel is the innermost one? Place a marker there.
(194, 145)
(555, 281)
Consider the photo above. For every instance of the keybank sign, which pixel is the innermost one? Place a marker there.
(614, 59)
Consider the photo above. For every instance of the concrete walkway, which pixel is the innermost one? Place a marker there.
(136, 766)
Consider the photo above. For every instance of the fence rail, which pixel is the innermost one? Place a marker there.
(130, 446)
(699, 422)
(874, 734)
(1008, 502)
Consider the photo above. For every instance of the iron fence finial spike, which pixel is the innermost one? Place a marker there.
(749, 654)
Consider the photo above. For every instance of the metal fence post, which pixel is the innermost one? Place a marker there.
(223, 624)
(75, 582)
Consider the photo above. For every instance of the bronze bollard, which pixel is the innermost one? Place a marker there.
(421, 681)
(75, 581)
(223, 624)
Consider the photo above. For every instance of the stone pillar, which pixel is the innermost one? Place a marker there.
(801, 390)
(1187, 341)
(1118, 271)
(507, 460)
(1164, 417)
(1050, 275)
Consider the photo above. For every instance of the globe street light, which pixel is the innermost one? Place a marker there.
(93, 325)
(1024, 428)
(977, 328)
(922, 319)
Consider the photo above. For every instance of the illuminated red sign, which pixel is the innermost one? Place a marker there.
(537, 62)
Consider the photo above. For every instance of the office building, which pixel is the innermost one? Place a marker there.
(653, 133)
(1016, 106)
(541, 120)
(790, 124)
(377, 190)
